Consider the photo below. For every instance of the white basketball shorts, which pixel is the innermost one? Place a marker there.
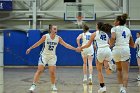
(104, 54)
(48, 59)
(121, 53)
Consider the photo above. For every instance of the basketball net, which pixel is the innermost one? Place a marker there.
(79, 21)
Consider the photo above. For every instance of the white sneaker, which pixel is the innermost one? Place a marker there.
(54, 88)
(112, 66)
(122, 90)
(32, 88)
(90, 80)
(85, 80)
(102, 89)
(138, 78)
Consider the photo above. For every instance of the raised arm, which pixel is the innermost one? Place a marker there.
(90, 41)
(78, 40)
(62, 42)
(36, 44)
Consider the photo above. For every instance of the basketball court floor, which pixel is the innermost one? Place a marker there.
(69, 80)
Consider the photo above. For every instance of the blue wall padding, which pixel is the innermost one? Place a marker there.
(17, 43)
(65, 56)
(33, 37)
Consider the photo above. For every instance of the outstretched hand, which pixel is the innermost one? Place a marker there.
(28, 51)
(79, 49)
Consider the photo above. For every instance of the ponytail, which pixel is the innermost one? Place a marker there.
(122, 19)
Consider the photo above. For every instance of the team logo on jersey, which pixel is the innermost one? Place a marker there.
(51, 43)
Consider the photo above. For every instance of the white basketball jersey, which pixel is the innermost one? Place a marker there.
(50, 45)
(85, 38)
(101, 39)
(138, 43)
(122, 35)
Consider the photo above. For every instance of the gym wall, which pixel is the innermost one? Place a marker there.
(16, 43)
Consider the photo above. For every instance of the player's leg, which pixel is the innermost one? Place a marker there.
(138, 62)
(99, 64)
(125, 71)
(90, 59)
(116, 53)
(100, 77)
(107, 68)
(125, 61)
(84, 68)
(52, 71)
(106, 61)
(119, 75)
(36, 77)
(38, 73)
(99, 69)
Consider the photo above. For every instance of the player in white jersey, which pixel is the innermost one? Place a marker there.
(87, 53)
(48, 55)
(122, 38)
(104, 54)
(137, 45)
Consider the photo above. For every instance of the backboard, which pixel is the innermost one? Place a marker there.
(74, 10)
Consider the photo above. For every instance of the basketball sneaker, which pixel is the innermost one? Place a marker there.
(122, 90)
(138, 78)
(90, 80)
(53, 88)
(112, 66)
(102, 89)
(85, 80)
(32, 88)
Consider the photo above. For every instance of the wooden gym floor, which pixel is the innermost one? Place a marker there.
(69, 80)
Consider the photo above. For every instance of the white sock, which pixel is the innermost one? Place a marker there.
(85, 76)
(90, 75)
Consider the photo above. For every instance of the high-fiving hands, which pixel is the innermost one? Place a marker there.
(79, 49)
